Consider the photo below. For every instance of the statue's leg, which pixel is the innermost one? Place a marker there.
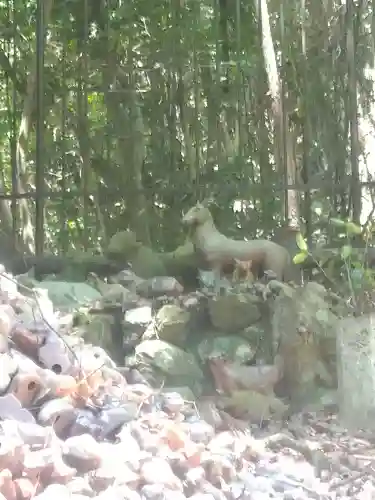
(217, 274)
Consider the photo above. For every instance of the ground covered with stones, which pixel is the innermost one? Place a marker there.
(74, 425)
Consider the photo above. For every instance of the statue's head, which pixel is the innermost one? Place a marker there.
(197, 215)
(123, 243)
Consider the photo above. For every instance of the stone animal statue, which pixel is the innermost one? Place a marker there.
(242, 271)
(124, 247)
(220, 251)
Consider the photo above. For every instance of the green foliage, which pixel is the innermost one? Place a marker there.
(300, 258)
(301, 243)
(337, 222)
(346, 267)
(151, 106)
(352, 229)
(346, 252)
(348, 228)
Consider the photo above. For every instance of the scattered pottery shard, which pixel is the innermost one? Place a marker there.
(10, 408)
(119, 493)
(58, 385)
(80, 486)
(58, 472)
(56, 491)
(12, 455)
(25, 364)
(82, 453)
(153, 491)
(86, 422)
(112, 471)
(26, 488)
(25, 388)
(27, 342)
(4, 344)
(56, 356)
(112, 419)
(158, 471)
(8, 367)
(7, 320)
(195, 476)
(112, 374)
(91, 358)
(37, 461)
(177, 495)
(7, 487)
(199, 431)
(58, 412)
(34, 434)
(173, 402)
(128, 445)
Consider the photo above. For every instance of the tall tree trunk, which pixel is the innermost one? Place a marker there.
(26, 125)
(281, 134)
(131, 147)
(353, 112)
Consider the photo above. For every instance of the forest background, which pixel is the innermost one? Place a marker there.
(122, 115)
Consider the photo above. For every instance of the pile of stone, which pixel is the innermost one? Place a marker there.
(74, 425)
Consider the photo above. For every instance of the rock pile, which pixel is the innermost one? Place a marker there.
(74, 425)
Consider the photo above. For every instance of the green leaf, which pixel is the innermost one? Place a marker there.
(352, 228)
(301, 243)
(317, 207)
(300, 257)
(337, 222)
(346, 251)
